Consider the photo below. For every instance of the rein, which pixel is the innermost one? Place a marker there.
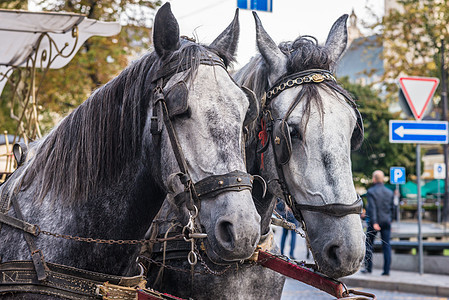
(278, 135)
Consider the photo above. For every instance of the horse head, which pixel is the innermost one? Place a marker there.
(309, 126)
(207, 111)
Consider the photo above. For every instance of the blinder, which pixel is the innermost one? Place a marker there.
(282, 142)
(176, 99)
(358, 133)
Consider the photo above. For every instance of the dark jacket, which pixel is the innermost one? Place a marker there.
(380, 204)
(287, 214)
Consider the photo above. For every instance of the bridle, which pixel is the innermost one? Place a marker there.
(278, 135)
(167, 105)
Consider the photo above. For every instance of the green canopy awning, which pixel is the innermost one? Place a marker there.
(432, 187)
(409, 188)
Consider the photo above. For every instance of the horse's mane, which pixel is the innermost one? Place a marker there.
(304, 53)
(94, 143)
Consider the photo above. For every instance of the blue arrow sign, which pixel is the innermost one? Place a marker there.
(397, 175)
(420, 132)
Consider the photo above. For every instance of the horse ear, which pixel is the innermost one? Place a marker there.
(165, 31)
(270, 51)
(337, 38)
(228, 39)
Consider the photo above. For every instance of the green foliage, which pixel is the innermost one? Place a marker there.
(376, 152)
(412, 39)
(98, 60)
(101, 58)
(14, 4)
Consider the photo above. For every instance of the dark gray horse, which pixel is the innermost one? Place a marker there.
(104, 171)
(337, 242)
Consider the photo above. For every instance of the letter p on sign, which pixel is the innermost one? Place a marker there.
(397, 175)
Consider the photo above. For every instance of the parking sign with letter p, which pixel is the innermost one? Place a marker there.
(397, 175)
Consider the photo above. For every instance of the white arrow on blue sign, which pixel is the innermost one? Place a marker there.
(420, 132)
(397, 175)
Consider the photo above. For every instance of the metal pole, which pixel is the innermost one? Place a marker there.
(418, 176)
(445, 146)
(397, 202)
(438, 203)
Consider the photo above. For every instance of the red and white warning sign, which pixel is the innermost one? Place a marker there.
(418, 92)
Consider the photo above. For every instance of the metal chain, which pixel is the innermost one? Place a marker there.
(315, 77)
(110, 242)
(288, 225)
(209, 270)
(162, 265)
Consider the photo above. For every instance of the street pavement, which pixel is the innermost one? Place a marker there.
(435, 286)
(295, 290)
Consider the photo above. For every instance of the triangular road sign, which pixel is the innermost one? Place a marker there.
(418, 92)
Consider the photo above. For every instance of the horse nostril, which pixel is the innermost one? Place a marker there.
(226, 234)
(332, 253)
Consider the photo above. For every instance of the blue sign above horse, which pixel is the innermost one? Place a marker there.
(261, 5)
(420, 132)
(397, 175)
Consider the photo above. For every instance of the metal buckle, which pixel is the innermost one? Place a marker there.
(317, 78)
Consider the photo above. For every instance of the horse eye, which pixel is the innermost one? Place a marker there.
(295, 134)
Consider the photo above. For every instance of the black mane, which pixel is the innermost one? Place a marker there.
(304, 53)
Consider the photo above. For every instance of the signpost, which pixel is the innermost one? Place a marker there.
(439, 172)
(418, 92)
(397, 176)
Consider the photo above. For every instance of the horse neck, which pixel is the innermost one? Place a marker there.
(120, 211)
(254, 76)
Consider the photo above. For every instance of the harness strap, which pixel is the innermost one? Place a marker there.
(217, 184)
(175, 66)
(334, 209)
(19, 224)
(62, 281)
(36, 254)
(307, 76)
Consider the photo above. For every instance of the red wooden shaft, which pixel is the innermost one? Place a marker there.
(302, 274)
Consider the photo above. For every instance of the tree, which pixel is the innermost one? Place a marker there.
(376, 152)
(98, 60)
(411, 36)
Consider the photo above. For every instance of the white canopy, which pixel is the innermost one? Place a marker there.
(21, 32)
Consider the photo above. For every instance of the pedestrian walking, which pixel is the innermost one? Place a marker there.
(380, 213)
(287, 214)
